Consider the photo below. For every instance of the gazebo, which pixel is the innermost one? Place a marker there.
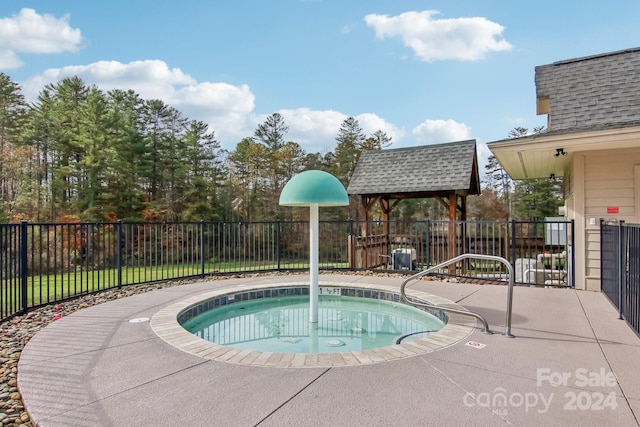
(445, 172)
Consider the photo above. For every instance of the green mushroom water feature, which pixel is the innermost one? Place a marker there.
(314, 188)
(274, 319)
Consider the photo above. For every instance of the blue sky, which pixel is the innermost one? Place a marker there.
(424, 72)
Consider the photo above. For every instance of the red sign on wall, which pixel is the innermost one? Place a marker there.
(613, 210)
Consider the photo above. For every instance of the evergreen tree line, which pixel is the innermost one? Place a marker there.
(79, 153)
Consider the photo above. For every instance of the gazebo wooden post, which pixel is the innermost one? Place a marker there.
(452, 230)
(384, 204)
(364, 227)
(463, 231)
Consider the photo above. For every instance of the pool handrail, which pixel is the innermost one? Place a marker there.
(486, 330)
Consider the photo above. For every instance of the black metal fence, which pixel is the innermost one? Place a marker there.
(46, 263)
(620, 269)
(539, 251)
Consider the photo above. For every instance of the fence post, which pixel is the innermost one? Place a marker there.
(23, 266)
(427, 249)
(622, 257)
(119, 252)
(278, 243)
(603, 243)
(202, 246)
(572, 256)
(513, 244)
(352, 246)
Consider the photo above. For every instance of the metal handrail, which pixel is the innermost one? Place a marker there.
(507, 332)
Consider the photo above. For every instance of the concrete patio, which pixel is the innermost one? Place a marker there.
(572, 362)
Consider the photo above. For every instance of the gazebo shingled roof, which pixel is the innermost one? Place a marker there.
(418, 172)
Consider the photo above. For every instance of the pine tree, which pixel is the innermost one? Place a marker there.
(499, 183)
(202, 174)
(247, 174)
(13, 110)
(350, 140)
(535, 199)
(377, 141)
(129, 165)
(271, 135)
(62, 106)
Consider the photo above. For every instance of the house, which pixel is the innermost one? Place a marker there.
(592, 140)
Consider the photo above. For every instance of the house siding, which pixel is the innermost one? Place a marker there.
(610, 181)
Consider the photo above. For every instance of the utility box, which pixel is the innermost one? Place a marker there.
(529, 270)
(403, 259)
(555, 231)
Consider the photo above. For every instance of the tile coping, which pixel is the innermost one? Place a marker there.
(165, 324)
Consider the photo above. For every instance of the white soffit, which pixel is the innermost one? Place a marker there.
(534, 156)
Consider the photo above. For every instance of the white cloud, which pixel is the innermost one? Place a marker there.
(441, 131)
(371, 123)
(223, 106)
(314, 130)
(31, 32)
(465, 39)
(228, 109)
(151, 78)
(9, 60)
(216, 96)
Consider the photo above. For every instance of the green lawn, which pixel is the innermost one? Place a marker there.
(50, 288)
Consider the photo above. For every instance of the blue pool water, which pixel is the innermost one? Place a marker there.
(281, 324)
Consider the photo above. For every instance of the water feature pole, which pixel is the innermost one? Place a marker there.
(314, 188)
(314, 286)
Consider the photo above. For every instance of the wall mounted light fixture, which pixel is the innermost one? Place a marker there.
(560, 152)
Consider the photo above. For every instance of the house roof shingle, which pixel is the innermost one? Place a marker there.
(591, 92)
(440, 168)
